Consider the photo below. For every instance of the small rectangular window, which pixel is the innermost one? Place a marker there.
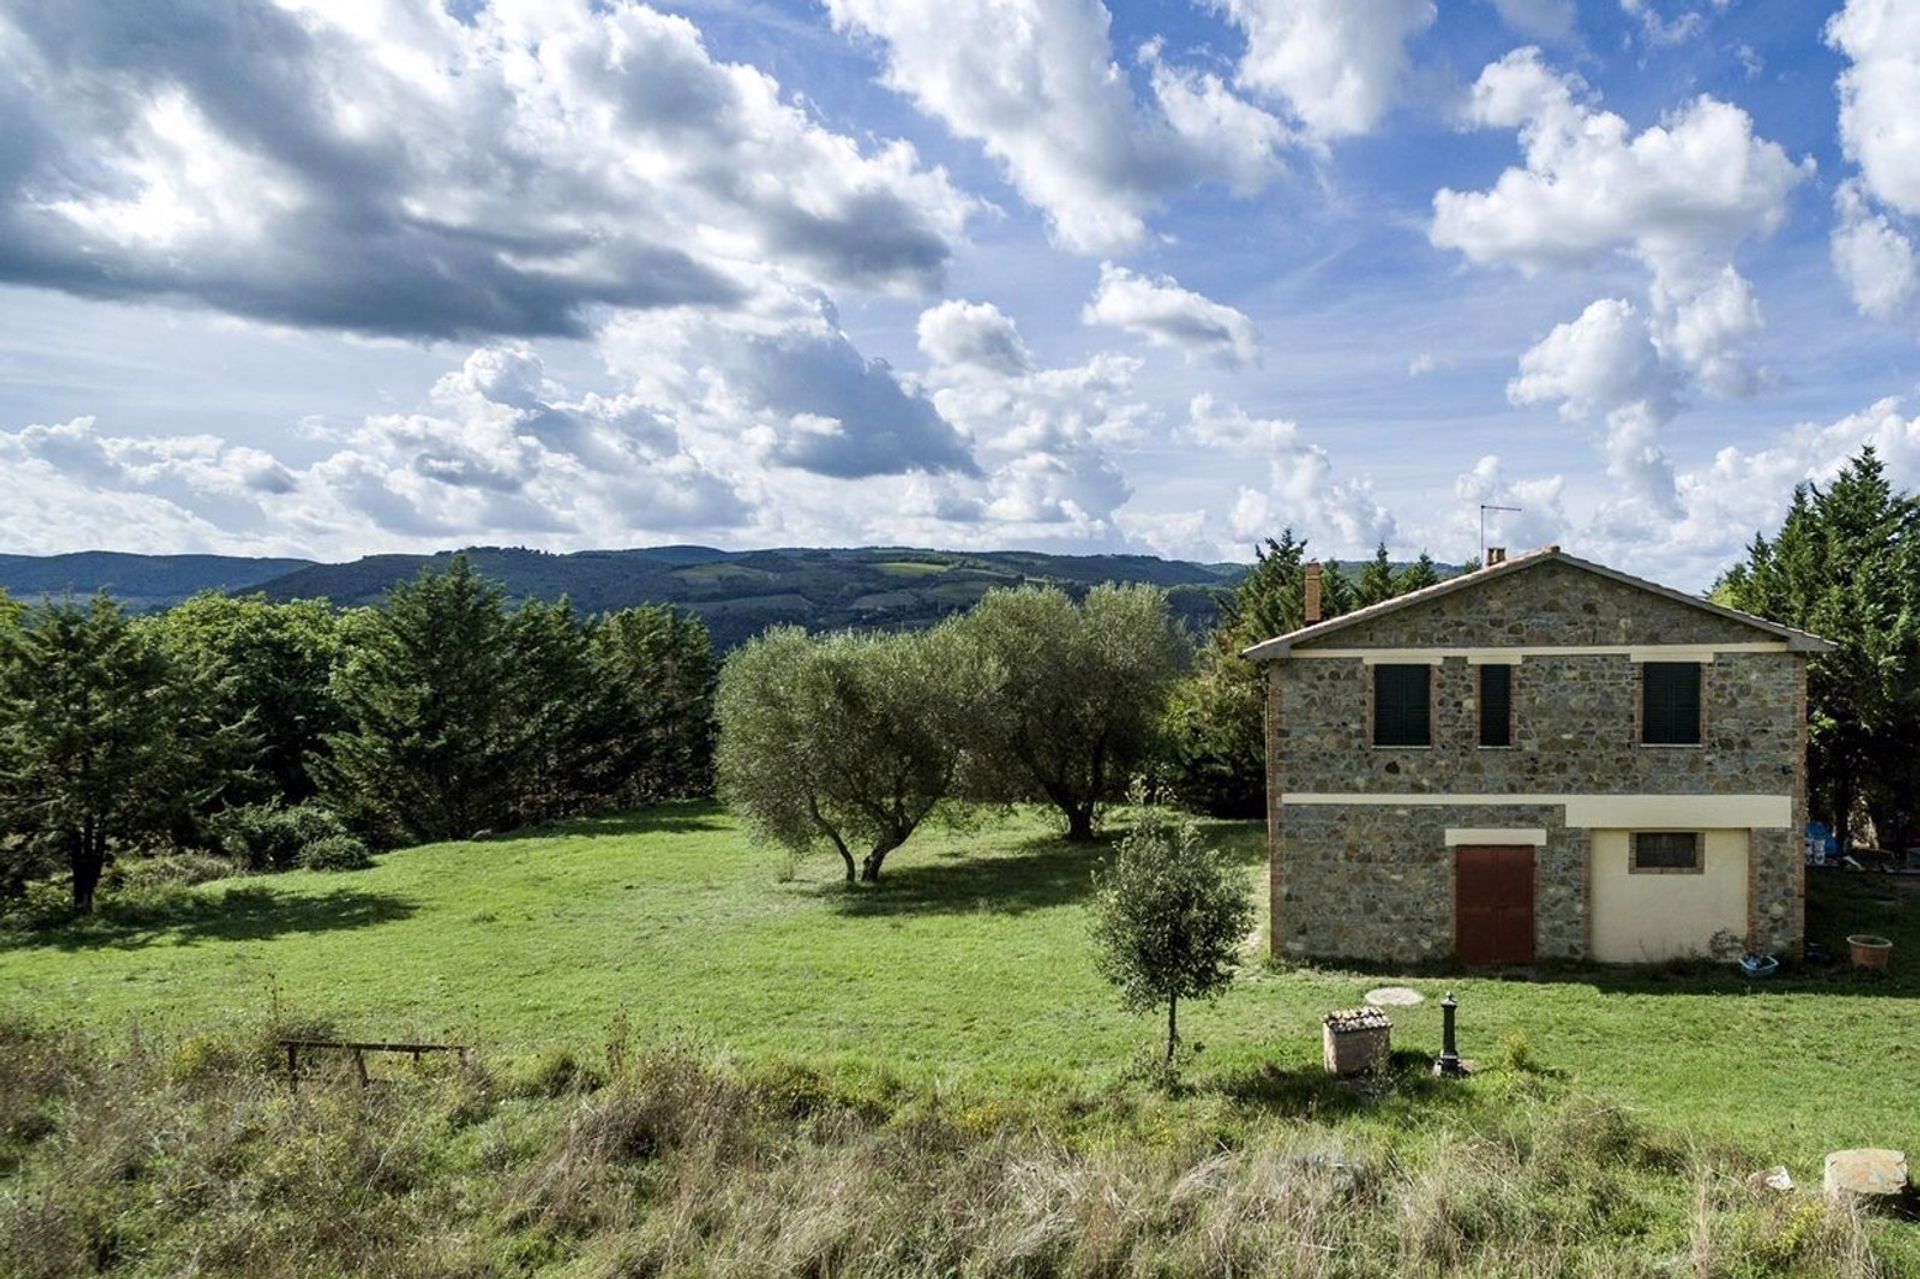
(1658, 850)
(1496, 705)
(1670, 703)
(1402, 705)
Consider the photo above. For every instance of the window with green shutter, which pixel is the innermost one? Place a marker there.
(1402, 705)
(1670, 703)
(1496, 705)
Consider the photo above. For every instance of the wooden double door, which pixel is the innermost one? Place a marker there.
(1493, 903)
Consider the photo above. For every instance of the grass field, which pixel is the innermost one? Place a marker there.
(911, 568)
(699, 1057)
(968, 967)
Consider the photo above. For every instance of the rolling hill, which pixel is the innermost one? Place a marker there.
(737, 593)
(141, 582)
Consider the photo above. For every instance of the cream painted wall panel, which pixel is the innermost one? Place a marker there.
(1649, 917)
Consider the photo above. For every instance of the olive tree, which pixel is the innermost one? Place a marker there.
(1170, 914)
(1079, 690)
(844, 740)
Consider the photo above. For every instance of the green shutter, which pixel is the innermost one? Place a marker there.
(1496, 705)
(1670, 703)
(1402, 705)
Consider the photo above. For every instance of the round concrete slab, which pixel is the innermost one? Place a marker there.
(1395, 997)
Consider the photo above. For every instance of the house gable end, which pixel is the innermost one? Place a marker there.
(1546, 599)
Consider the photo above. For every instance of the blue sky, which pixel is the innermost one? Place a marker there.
(329, 279)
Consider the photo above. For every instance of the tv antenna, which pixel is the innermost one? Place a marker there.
(1484, 508)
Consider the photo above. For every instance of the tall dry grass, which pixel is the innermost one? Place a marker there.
(197, 1158)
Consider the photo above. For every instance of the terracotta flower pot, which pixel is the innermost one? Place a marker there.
(1869, 951)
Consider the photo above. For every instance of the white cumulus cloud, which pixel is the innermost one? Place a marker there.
(1046, 437)
(1343, 516)
(1681, 196)
(1604, 366)
(1880, 132)
(392, 168)
(1035, 82)
(498, 447)
(784, 385)
(1880, 96)
(1338, 65)
(1156, 308)
(1874, 259)
(957, 333)
(1694, 186)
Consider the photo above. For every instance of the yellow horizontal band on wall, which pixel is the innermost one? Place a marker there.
(1513, 655)
(1668, 654)
(1458, 835)
(1660, 812)
(1682, 812)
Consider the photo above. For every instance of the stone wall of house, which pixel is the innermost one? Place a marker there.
(1575, 730)
(1365, 880)
(1368, 881)
(1551, 602)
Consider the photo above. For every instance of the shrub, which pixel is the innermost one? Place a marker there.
(182, 869)
(269, 837)
(144, 904)
(552, 1073)
(41, 903)
(336, 852)
(205, 1056)
(1517, 1055)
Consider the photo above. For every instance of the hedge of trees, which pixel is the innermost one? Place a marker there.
(277, 734)
(1846, 566)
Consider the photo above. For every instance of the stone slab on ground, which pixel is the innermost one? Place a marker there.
(1395, 997)
(1868, 1173)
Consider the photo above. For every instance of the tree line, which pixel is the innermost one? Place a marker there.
(1846, 566)
(270, 733)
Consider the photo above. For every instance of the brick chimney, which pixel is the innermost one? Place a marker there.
(1310, 611)
(1496, 555)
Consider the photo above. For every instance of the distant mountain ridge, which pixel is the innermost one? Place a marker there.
(141, 582)
(737, 593)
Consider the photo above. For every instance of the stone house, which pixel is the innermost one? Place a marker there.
(1543, 759)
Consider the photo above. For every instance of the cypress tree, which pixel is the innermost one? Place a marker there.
(101, 749)
(1376, 583)
(433, 746)
(1846, 565)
